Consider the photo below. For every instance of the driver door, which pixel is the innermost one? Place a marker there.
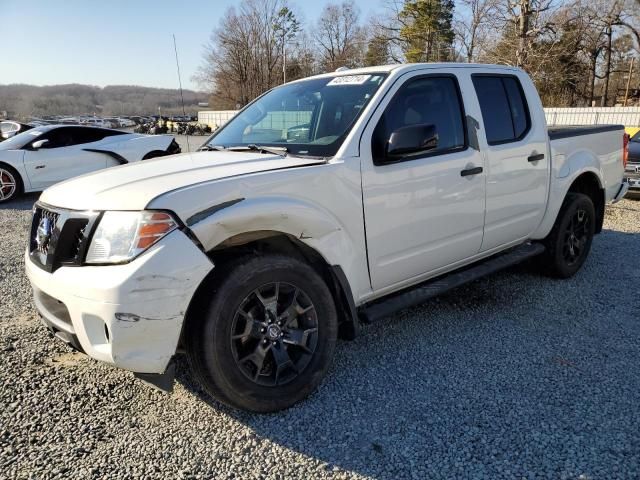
(61, 157)
(423, 212)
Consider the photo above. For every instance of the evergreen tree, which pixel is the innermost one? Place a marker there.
(377, 51)
(427, 33)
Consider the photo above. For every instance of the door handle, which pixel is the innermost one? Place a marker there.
(536, 157)
(39, 166)
(471, 171)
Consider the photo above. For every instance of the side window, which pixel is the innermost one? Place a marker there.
(68, 136)
(504, 108)
(428, 101)
(87, 135)
(58, 138)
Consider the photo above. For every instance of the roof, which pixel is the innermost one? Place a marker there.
(410, 66)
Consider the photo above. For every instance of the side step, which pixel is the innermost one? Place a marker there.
(417, 295)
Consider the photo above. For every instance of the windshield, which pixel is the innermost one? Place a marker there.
(311, 117)
(20, 140)
(636, 137)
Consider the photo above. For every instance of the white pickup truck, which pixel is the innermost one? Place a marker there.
(327, 201)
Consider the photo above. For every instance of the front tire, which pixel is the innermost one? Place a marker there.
(268, 335)
(10, 183)
(569, 241)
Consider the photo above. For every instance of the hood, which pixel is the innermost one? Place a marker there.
(133, 186)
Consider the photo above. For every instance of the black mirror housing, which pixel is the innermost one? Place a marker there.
(412, 139)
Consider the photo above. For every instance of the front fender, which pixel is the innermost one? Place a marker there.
(309, 223)
(566, 170)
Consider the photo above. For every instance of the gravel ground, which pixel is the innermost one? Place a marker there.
(513, 376)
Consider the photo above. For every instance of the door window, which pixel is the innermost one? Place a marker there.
(60, 137)
(504, 108)
(427, 100)
(68, 136)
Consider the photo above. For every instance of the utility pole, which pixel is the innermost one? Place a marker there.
(284, 60)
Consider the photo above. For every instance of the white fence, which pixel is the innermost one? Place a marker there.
(215, 118)
(627, 116)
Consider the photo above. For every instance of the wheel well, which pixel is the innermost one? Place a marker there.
(17, 173)
(588, 184)
(257, 243)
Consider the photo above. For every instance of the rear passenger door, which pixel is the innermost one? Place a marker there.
(423, 212)
(517, 167)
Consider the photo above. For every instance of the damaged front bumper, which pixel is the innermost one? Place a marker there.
(129, 315)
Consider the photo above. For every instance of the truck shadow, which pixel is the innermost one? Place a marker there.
(458, 385)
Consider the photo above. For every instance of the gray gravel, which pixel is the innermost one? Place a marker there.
(513, 376)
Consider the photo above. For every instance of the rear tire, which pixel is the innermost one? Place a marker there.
(10, 183)
(570, 239)
(268, 335)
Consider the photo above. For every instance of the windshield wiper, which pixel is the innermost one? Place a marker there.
(281, 151)
(209, 148)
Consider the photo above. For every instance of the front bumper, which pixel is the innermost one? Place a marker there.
(128, 315)
(632, 176)
(634, 183)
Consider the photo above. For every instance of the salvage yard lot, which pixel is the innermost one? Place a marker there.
(515, 375)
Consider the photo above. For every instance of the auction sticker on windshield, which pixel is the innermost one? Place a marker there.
(349, 80)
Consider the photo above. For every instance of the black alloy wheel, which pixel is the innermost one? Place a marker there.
(576, 237)
(274, 333)
(262, 333)
(569, 242)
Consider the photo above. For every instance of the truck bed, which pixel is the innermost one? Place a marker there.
(565, 131)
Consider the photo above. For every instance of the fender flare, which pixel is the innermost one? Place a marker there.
(318, 229)
(574, 166)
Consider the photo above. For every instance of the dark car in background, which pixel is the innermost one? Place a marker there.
(632, 170)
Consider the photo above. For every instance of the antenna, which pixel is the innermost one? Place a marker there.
(184, 113)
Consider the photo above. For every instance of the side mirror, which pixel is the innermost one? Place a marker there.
(412, 139)
(38, 144)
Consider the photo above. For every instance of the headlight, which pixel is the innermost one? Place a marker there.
(122, 236)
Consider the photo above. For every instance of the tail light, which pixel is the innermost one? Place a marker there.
(625, 149)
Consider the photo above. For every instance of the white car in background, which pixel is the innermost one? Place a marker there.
(45, 155)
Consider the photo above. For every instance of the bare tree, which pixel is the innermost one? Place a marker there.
(474, 25)
(339, 35)
(244, 54)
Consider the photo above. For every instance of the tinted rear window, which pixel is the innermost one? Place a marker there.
(503, 105)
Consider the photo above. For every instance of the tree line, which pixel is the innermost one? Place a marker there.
(25, 101)
(578, 52)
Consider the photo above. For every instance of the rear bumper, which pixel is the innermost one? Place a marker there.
(127, 315)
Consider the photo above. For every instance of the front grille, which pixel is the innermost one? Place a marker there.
(59, 237)
(52, 217)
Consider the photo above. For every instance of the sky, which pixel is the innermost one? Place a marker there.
(115, 42)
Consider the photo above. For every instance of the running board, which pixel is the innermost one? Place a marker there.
(432, 288)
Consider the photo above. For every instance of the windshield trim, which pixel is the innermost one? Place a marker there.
(385, 76)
